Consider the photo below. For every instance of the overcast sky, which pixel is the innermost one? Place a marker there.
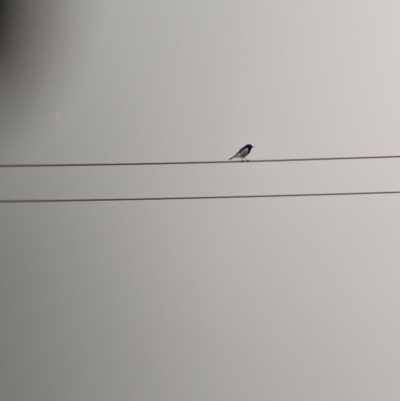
(252, 299)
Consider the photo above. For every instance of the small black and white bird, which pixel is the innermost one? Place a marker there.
(243, 152)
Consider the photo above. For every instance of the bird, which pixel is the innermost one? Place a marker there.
(243, 152)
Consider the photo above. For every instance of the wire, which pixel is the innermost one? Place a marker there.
(311, 159)
(175, 198)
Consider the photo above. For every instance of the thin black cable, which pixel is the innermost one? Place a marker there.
(175, 198)
(310, 159)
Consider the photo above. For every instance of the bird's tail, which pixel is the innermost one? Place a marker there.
(232, 157)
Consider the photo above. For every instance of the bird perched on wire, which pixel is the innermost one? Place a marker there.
(243, 152)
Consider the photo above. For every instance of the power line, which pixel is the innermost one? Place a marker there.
(309, 159)
(177, 198)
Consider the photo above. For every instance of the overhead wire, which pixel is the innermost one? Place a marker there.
(175, 198)
(217, 197)
(119, 164)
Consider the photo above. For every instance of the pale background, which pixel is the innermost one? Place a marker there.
(270, 299)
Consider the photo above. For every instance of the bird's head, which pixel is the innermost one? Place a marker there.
(250, 146)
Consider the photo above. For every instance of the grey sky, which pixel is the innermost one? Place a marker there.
(285, 299)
